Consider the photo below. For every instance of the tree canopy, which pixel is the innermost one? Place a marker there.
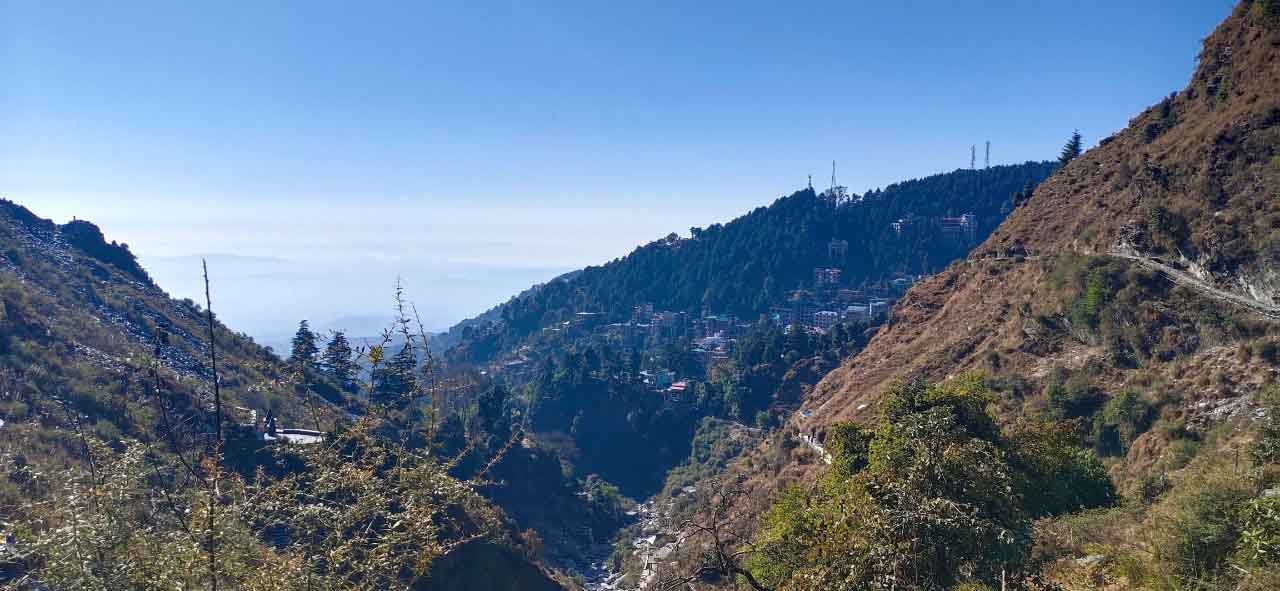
(931, 496)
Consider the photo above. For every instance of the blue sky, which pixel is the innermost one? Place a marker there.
(513, 140)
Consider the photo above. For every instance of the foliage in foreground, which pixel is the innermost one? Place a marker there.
(356, 512)
(1214, 523)
(370, 505)
(933, 496)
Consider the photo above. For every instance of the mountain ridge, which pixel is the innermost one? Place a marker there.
(1110, 196)
(746, 265)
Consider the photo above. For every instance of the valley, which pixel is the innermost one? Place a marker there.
(1058, 375)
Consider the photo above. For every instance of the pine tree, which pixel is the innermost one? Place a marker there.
(304, 347)
(337, 362)
(1071, 150)
(398, 379)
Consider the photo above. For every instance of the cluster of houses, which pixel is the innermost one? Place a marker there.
(818, 311)
(713, 337)
(648, 326)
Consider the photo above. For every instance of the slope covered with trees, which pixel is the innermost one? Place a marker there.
(126, 464)
(744, 266)
(1131, 301)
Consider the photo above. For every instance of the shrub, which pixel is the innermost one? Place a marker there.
(1056, 474)
(1152, 486)
(1180, 452)
(1267, 350)
(1168, 228)
(1260, 530)
(1097, 291)
(1266, 12)
(1073, 397)
(1266, 448)
(848, 445)
(1196, 529)
(942, 499)
(1122, 419)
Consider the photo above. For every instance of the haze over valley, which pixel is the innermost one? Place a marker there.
(562, 296)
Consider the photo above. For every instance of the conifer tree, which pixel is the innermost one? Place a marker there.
(398, 379)
(304, 349)
(337, 362)
(1071, 150)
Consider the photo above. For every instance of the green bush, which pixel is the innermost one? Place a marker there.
(1260, 530)
(1266, 448)
(848, 445)
(1122, 419)
(1167, 227)
(1267, 349)
(1180, 452)
(1057, 475)
(1198, 527)
(1072, 397)
(1152, 486)
(1097, 292)
(935, 496)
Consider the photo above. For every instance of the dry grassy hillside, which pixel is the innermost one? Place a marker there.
(1135, 299)
(1181, 210)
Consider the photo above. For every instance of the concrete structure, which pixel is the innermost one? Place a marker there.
(964, 227)
(837, 250)
(825, 319)
(826, 277)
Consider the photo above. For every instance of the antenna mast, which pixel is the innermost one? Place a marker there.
(973, 157)
(988, 162)
(833, 177)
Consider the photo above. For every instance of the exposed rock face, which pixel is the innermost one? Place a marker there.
(1190, 190)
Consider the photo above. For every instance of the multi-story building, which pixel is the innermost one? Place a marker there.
(826, 277)
(825, 319)
(785, 315)
(668, 326)
(964, 227)
(718, 325)
(587, 319)
(856, 312)
(837, 250)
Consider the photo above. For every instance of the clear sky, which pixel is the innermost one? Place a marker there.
(475, 147)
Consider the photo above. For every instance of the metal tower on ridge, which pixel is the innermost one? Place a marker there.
(988, 161)
(973, 157)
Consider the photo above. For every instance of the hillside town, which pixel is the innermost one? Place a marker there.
(712, 337)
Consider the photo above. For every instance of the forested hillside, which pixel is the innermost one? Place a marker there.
(126, 464)
(744, 266)
(1048, 376)
(1118, 332)
(582, 357)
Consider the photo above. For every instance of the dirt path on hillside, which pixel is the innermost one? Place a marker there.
(1188, 280)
